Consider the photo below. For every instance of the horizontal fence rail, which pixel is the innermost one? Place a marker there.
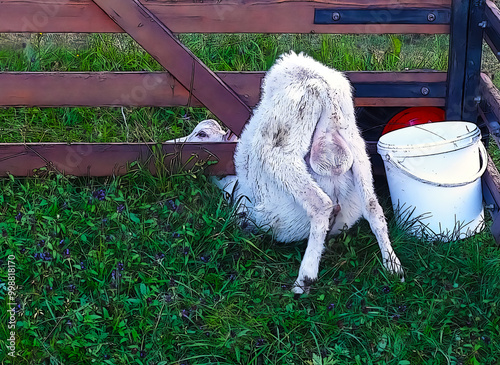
(222, 16)
(410, 88)
(106, 159)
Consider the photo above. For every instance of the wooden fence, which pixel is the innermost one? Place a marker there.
(462, 91)
(229, 95)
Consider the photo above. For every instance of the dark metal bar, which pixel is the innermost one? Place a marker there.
(160, 42)
(471, 97)
(400, 90)
(382, 16)
(457, 58)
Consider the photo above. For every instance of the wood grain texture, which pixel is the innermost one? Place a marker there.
(194, 75)
(161, 89)
(208, 16)
(94, 159)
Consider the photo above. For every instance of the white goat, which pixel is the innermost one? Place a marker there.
(302, 164)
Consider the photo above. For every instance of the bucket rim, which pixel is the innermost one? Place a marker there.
(431, 148)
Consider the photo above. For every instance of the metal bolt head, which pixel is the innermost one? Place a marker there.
(336, 16)
(431, 17)
(425, 90)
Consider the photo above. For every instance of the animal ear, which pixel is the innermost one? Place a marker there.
(330, 154)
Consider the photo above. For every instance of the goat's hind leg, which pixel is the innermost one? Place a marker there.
(373, 212)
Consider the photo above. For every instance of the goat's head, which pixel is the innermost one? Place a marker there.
(207, 131)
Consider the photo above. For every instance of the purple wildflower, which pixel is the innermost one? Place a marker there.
(120, 208)
(46, 256)
(99, 194)
(260, 342)
(19, 216)
(171, 205)
(331, 307)
(159, 256)
(386, 289)
(66, 253)
(120, 266)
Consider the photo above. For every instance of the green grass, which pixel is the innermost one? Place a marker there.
(98, 52)
(154, 270)
(160, 266)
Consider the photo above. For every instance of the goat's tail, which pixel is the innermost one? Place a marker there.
(330, 153)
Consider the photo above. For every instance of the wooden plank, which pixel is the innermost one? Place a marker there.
(399, 102)
(490, 107)
(208, 16)
(492, 31)
(491, 96)
(491, 183)
(94, 159)
(161, 44)
(161, 89)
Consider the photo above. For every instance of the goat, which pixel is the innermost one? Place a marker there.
(302, 164)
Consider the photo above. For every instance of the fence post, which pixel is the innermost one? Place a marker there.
(472, 96)
(457, 58)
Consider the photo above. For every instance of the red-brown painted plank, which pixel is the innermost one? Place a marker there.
(161, 44)
(94, 159)
(208, 16)
(161, 89)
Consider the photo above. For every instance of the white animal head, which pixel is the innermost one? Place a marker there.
(207, 131)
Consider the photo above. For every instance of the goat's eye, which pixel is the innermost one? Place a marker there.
(202, 134)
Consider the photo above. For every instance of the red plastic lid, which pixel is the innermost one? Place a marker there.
(414, 116)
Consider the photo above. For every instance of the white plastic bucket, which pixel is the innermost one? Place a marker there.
(434, 174)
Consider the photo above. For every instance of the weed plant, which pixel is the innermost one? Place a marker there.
(154, 269)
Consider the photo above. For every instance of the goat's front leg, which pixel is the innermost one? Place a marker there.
(319, 208)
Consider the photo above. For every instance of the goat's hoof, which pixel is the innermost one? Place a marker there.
(303, 286)
(298, 291)
(393, 265)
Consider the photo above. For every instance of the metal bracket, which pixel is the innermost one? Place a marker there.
(382, 16)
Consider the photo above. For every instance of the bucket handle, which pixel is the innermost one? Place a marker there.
(484, 160)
